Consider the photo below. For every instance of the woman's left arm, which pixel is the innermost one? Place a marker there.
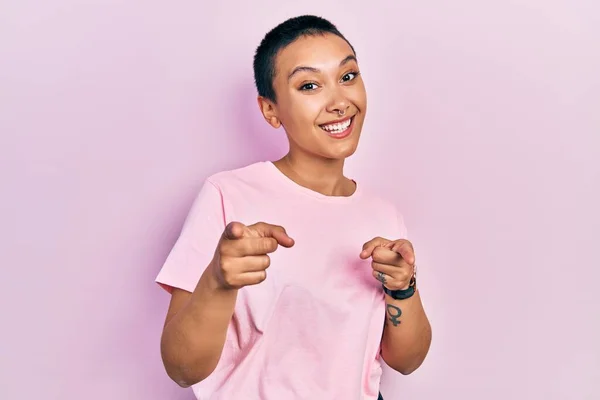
(407, 334)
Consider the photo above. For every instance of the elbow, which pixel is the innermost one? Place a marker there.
(186, 377)
(404, 363)
(404, 368)
(407, 370)
(185, 371)
(184, 380)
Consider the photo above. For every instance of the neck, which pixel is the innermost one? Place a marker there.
(321, 175)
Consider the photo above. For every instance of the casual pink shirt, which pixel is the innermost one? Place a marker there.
(312, 329)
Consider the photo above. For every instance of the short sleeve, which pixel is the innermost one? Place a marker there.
(197, 242)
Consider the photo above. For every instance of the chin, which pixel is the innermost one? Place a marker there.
(342, 152)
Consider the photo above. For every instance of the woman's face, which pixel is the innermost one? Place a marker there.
(321, 97)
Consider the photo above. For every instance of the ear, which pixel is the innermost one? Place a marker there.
(269, 112)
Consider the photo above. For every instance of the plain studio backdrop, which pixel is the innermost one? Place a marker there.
(483, 125)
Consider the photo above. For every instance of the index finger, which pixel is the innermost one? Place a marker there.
(405, 249)
(275, 231)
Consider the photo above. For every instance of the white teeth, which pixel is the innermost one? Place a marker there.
(338, 127)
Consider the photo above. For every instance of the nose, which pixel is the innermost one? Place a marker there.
(338, 104)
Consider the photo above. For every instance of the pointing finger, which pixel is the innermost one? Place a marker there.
(405, 249)
(275, 231)
(256, 246)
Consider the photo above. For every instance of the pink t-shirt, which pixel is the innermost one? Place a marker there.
(312, 329)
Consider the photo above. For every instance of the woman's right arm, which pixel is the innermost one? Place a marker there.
(195, 330)
(196, 325)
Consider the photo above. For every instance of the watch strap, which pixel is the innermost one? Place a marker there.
(404, 293)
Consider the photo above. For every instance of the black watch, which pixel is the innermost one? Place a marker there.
(402, 294)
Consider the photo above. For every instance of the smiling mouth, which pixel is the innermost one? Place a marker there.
(337, 128)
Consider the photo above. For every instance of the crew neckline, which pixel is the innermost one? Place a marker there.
(309, 192)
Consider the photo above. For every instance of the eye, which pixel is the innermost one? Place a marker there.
(350, 76)
(308, 86)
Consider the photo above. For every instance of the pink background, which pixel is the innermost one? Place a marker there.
(484, 124)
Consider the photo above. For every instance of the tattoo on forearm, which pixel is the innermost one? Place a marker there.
(394, 314)
(381, 278)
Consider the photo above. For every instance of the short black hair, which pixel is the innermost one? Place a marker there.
(280, 37)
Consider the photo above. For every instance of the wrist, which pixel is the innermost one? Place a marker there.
(404, 293)
(210, 287)
(406, 287)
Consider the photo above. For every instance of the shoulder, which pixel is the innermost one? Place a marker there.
(241, 184)
(249, 174)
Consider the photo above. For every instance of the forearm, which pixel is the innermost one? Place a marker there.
(193, 339)
(406, 335)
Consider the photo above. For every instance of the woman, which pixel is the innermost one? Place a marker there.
(340, 291)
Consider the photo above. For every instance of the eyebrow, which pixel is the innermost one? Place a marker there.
(301, 68)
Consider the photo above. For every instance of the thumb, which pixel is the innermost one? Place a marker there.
(275, 231)
(366, 253)
(234, 231)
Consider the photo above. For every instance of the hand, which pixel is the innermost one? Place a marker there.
(241, 257)
(393, 261)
